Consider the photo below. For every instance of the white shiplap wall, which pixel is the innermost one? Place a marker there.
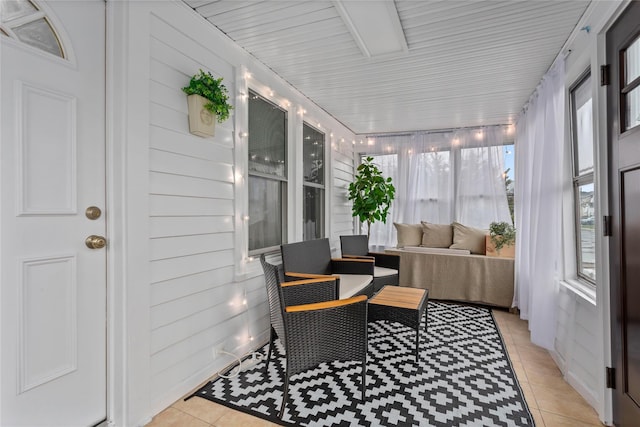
(342, 170)
(576, 343)
(196, 286)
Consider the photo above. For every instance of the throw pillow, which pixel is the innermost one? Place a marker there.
(408, 234)
(465, 237)
(437, 235)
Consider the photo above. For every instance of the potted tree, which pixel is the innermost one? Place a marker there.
(207, 100)
(371, 194)
(501, 240)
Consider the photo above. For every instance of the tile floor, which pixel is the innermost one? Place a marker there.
(552, 401)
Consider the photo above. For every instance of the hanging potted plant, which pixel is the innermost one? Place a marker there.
(501, 240)
(207, 99)
(371, 194)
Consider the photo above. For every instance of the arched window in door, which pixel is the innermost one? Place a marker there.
(24, 21)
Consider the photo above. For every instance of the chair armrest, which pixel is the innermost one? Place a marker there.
(292, 276)
(327, 304)
(352, 266)
(358, 257)
(386, 260)
(309, 281)
(310, 290)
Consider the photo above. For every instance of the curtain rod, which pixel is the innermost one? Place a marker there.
(427, 132)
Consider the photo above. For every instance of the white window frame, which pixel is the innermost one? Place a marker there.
(284, 180)
(322, 186)
(580, 179)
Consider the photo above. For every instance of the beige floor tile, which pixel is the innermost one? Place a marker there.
(537, 417)
(172, 417)
(555, 420)
(534, 369)
(564, 392)
(240, 419)
(568, 408)
(529, 396)
(553, 381)
(519, 370)
(202, 408)
(533, 352)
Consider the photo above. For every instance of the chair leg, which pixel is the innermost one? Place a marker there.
(271, 340)
(284, 395)
(364, 377)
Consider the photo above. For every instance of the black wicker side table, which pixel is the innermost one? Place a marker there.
(402, 305)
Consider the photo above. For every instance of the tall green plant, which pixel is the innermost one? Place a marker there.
(371, 194)
(205, 85)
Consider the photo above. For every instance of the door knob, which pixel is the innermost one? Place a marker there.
(93, 212)
(95, 242)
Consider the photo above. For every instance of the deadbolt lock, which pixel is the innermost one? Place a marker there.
(95, 242)
(93, 212)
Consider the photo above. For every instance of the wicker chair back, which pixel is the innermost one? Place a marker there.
(273, 277)
(311, 256)
(354, 245)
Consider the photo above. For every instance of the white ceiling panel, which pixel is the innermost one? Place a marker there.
(468, 63)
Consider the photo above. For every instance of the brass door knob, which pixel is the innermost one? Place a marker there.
(93, 212)
(95, 242)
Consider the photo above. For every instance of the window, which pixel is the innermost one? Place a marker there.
(313, 186)
(22, 20)
(267, 175)
(583, 177)
(631, 89)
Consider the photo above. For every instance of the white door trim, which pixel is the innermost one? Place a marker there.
(127, 170)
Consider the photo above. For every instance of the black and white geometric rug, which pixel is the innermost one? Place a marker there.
(463, 378)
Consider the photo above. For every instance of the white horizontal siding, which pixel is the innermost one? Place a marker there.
(191, 250)
(342, 174)
(196, 297)
(576, 333)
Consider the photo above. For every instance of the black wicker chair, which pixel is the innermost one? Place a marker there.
(313, 333)
(312, 259)
(387, 266)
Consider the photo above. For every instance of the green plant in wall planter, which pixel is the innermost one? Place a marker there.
(502, 235)
(208, 101)
(371, 194)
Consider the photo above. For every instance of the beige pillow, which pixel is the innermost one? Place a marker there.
(437, 235)
(408, 234)
(469, 238)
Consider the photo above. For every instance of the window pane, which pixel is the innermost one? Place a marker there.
(509, 175)
(587, 238)
(313, 213)
(313, 154)
(632, 62)
(583, 127)
(267, 137)
(11, 9)
(265, 212)
(39, 34)
(633, 108)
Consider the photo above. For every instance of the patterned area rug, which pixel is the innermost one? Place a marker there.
(463, 378)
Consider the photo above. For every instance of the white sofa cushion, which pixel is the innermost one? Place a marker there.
(383, 271)
(351, 284)
(447, 251)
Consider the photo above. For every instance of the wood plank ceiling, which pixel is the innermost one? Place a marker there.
(469, 63)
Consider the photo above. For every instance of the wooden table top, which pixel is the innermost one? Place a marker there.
(397, 296)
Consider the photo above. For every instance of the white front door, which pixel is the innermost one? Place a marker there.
(52, 168)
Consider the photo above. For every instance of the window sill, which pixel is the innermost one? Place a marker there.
(581, 289)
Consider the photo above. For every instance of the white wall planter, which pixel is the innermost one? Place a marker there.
(201, 121)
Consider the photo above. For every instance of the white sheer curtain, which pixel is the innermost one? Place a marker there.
(539, 185)
(442, 177)
(481, 194)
